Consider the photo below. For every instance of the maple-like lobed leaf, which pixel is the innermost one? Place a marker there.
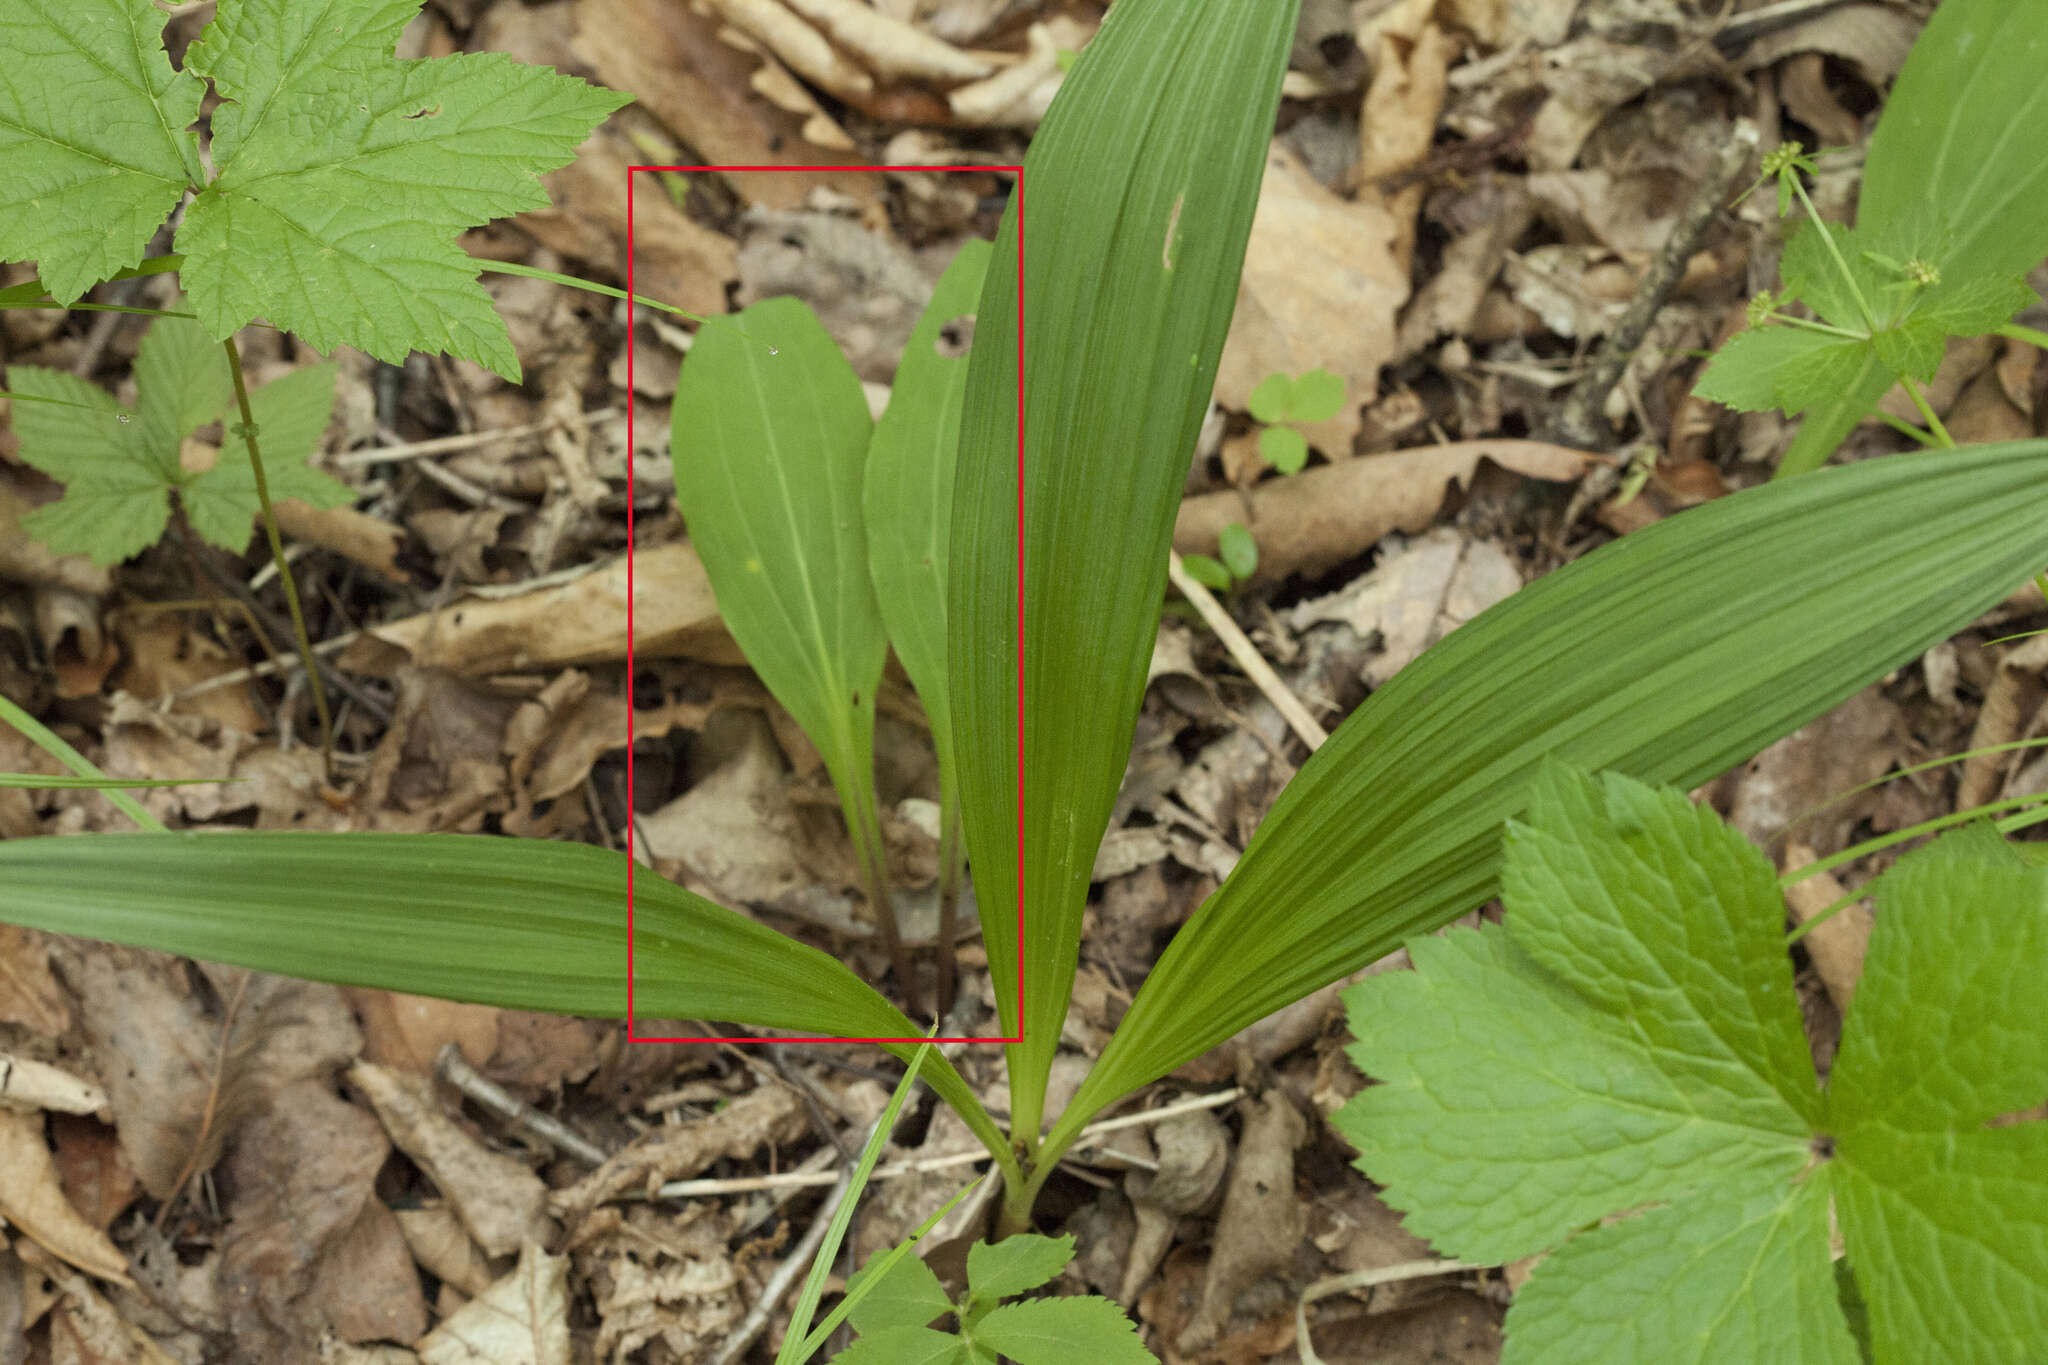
(92, 135)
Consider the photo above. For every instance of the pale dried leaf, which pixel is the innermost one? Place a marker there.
(32, 1200)
(521, 1320)
(29, 1084)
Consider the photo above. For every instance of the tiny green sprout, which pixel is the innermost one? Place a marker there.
(1314, 396)
(1238, 550)
(1761, 308)
(1208, 571)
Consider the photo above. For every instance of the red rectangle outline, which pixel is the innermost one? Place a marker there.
(1017, 192)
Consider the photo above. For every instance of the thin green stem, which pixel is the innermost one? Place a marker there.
(2030, 335)
(1810, 325)
(1827, 238)
(284, 569)
(1941, 436)
(1901, 425)
(45, 739)
(952, 863)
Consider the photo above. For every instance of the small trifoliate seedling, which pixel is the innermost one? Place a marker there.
(895, 1317)
(1316, 396)
(119, 467)
(1618, 1072)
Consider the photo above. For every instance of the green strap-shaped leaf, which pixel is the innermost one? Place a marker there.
(1668, 655)
(1141, 185)
(909, 502)
(522, 924)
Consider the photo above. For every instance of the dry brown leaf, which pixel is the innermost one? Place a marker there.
(81, 653)
(1850, 745)
(27, 1084)
(1321, 517)
(1193, 1153)
(523, 1319)
(1983, 412)
(409, 1031)
(1320, 290)
(2011, 710)
(1803, 86)
(96, 1176)
(500, 1201)
(1262, 1223)
(29, 994)
(366, 1286)
(1415, 595)
(805, 50)
(32, 1201)
(86, 1330)
(888, 46)
(1019, 96)
(671, 57)
(1838, 944)
(441, 1244)
(579, 622)
(1397, 125)
(1872, 38)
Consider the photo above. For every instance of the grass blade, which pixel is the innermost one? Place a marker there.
(909, 505)
(1669, 655)
(1142, 183)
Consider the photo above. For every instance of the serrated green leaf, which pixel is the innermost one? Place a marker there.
(1024, 1261)
(1813, 276)
(181, 383)
(1207, 571)
(1063, 1331)
(1973, 305)
(1958, 138)
(1284, 448)
(1317, 397)
(92, 132)
(1392, 827)
(1143, 180)
(903, 1294)
(107, 516)
(904, 1346)
(1912, 348)
(1631, 1038)
(317, 113)
(1829, 422)
(1708, 1282)
(114, 504)
(1240, 552)
(1272, 399)
(1779, 367)
(769, 434)
(343, 176)
(1943, 1036)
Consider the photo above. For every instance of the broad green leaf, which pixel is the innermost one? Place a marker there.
(1015, 1265)
(1318, 396)
(769, 434)
(1239, 550)
(1284, 448)
(905, 1293)
(518, 923)
(92, 133)
(343, 176)
(1779, 366)
(1960, 138)
(1142, 181)
(904, 1346)
(1707, 1282)
(1947, 1219)
(1631, 1037)
(1063, 1331)
(909, 501)
(1670, 655)
(118, 466)
(1629, 1040)
(1272, 400)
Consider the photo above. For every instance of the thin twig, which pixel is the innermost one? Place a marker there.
(1578, 421)
(284, 573)
(450, 445)
(1247, 655)
(455, 1069)
(1363, 1279)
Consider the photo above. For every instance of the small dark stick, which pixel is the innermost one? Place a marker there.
(1578, 422)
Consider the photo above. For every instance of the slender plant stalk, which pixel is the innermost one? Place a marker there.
(284, 569)
(864, 823)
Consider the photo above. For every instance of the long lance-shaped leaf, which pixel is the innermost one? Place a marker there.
(517, 923)
(770, 431)
(1669, 655)
(1141, 183)
(909, 503)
